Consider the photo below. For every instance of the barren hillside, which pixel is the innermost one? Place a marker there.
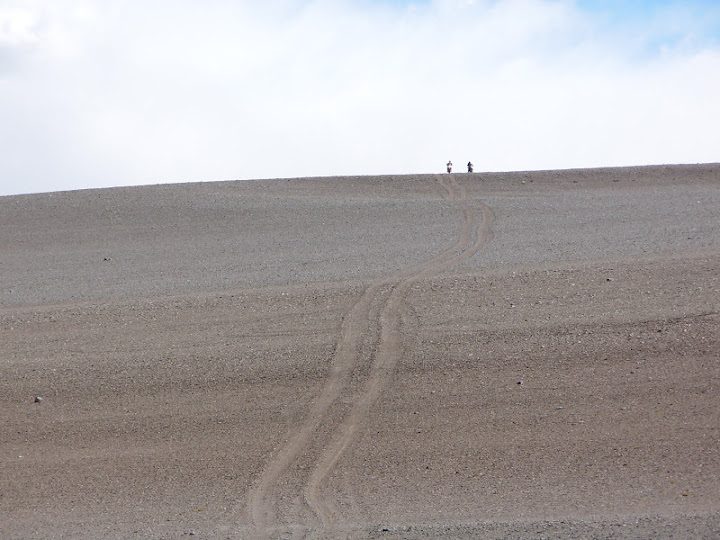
(529, 354)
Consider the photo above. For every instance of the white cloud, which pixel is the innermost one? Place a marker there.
(17, 24)
(107, 93)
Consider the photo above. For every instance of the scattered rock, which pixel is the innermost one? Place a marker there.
(38, 399)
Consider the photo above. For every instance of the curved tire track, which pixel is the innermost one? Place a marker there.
(471, 238)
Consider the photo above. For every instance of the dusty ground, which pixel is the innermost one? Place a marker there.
(527, 355)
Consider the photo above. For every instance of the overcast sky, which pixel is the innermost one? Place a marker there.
(97, 93)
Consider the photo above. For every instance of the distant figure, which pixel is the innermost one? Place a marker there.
(470, 166)
(449, 166)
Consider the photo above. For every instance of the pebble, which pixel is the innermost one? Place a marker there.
(38, 399)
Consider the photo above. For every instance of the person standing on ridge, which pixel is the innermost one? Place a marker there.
(470, 166)
(449, 166)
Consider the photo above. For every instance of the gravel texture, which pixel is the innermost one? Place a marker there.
(522, 355)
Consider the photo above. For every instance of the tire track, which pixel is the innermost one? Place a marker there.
(449, 193)
(472, 237)
(354, 328)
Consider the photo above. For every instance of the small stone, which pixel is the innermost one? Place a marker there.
(38, 399)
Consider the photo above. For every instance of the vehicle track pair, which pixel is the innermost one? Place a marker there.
(474, 233)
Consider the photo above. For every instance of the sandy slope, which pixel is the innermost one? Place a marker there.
(437, 356)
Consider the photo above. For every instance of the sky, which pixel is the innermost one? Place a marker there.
(100, 93)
